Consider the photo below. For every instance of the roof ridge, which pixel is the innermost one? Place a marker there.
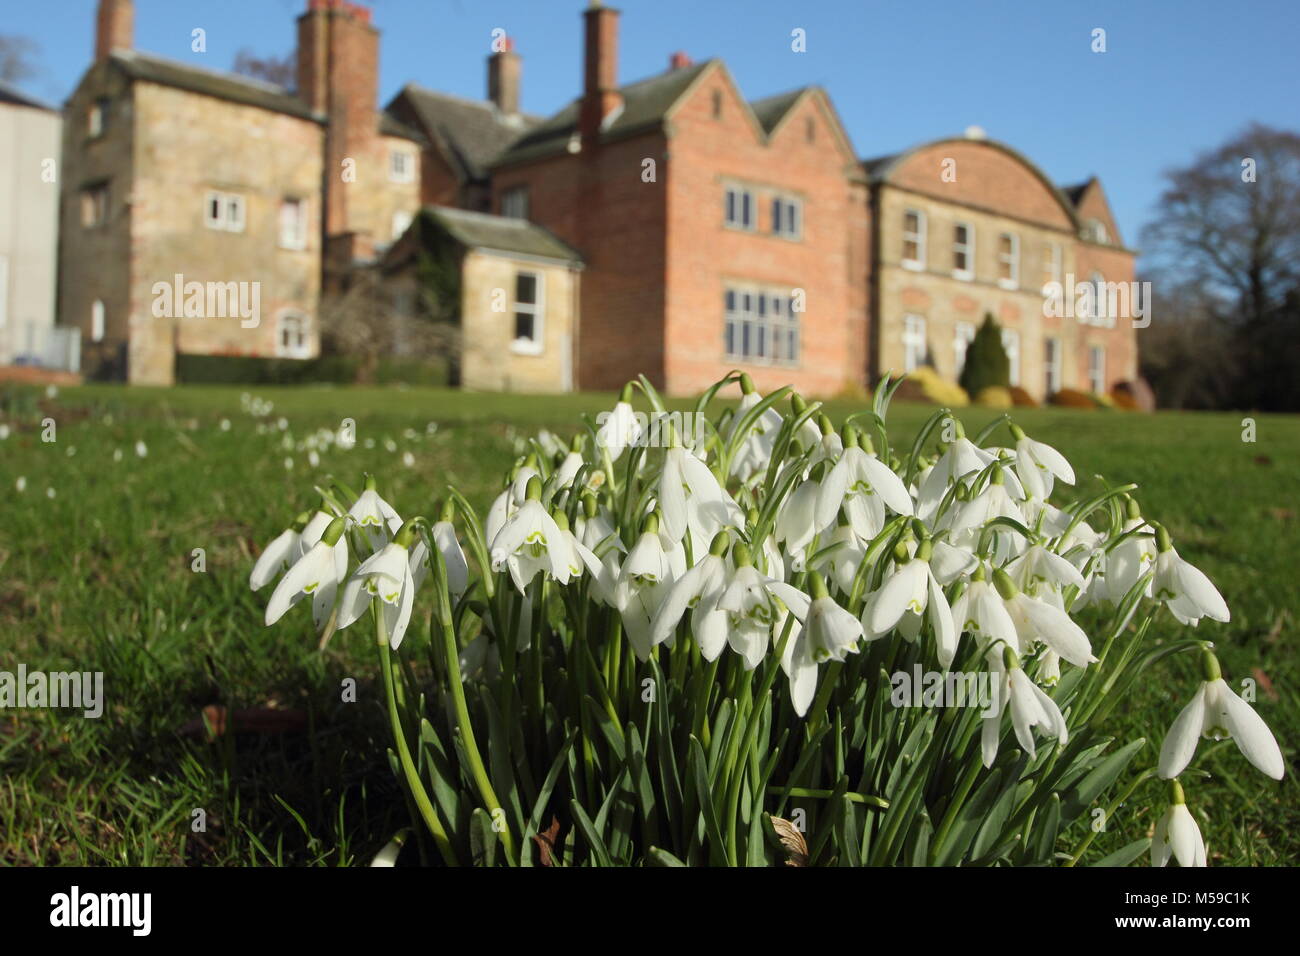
(486, 105)
(265, 85)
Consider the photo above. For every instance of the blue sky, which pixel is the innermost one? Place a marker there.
(1178, 76)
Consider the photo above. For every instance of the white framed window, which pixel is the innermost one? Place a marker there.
(787, 217)
(401, 222)
(1011, 345)
(914, 348)
(97, 321)
(514, 202)
(1095, 230)
(401, 165)
(1097, 369)
(1052, 365)
(963, 335)
(94, 205)
(963, 251)
(740, 209)
(4, 291)
(1009, 260)
(1051, 263)
(529, 313)
(292, 336)
(293, 223)
(224, 212)
(913, 239)
(761, 325)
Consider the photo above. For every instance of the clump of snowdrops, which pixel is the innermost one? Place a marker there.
(689, 639)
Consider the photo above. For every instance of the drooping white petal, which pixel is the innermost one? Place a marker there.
(277, 556)
(1180, 743)
(1255, 740)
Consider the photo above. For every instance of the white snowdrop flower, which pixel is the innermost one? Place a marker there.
(282, 423)
(141, 449)
(72, 451)
(408, 459)
(386, 575)
(1037, 465)
(913, 592)
(981, 612)
(959, 459)
(51, 391)
(117, 454)
(225, 424)
(992, 502)
(530, 541)
(754, 602)
(388, 855)
(21, 483)
(288, 464)
(1037, 569)
(864, 486)
(316, 574)
(1036, 620)
(845, 557)
(755, 450)
(1177, 834)
(619, 428)
(49, 492)
(287, 443)
(1217, 712)
(1029, 707)
(4, 431)
(697, 591)
(689, 494)
(409, 434)
(453, 557)
(431, 428)
(279, 554)
(568, 470)
(1185, 589)
(642, 585)
(828, 633)
(375, 516)
(313, 459)
(370, 443)
(796, 522)
(390, 446)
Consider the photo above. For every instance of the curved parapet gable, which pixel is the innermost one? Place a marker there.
(980, 173)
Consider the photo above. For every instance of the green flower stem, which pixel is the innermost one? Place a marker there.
(452, 653)
(1141, 778)
(413, 782)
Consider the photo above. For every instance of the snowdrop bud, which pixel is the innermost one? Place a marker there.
(534, 492)
(560, 518)
(1010, 659)
(849, 435)
(1210, 665)
(589, 506)
(741, 555)
(334, 530)
(746, 384)
(1131, 509)
(406, 534)
(924, 550)
(900, 550)
(721, 541)
(579, 443)
(626, 394)
(1006, 587)
(1163, 543)
(797, 404)
(824, 424)
(447, 511)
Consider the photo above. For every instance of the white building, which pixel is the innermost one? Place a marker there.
(30, 144)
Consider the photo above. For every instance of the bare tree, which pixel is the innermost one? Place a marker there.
(282, 71)
(1231, 220)
(17, 58)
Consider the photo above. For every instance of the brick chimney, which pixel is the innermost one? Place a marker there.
(114, 27)
(600, 94)
(338, 75)
(504, 70)
(679, 61)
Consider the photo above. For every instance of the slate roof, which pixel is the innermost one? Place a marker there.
(16, 97)
(1075, 193)
(644, 105)
(771, 109)
(474, 132)
(480, 230)
(225, 86)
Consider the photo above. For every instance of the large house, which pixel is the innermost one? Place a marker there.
(29, 202)
(667, 226)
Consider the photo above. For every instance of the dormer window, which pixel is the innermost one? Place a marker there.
(1095, 230)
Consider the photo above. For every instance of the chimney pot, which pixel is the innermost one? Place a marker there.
(679, 60)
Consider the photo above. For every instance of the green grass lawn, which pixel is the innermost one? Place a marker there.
(99, 578)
